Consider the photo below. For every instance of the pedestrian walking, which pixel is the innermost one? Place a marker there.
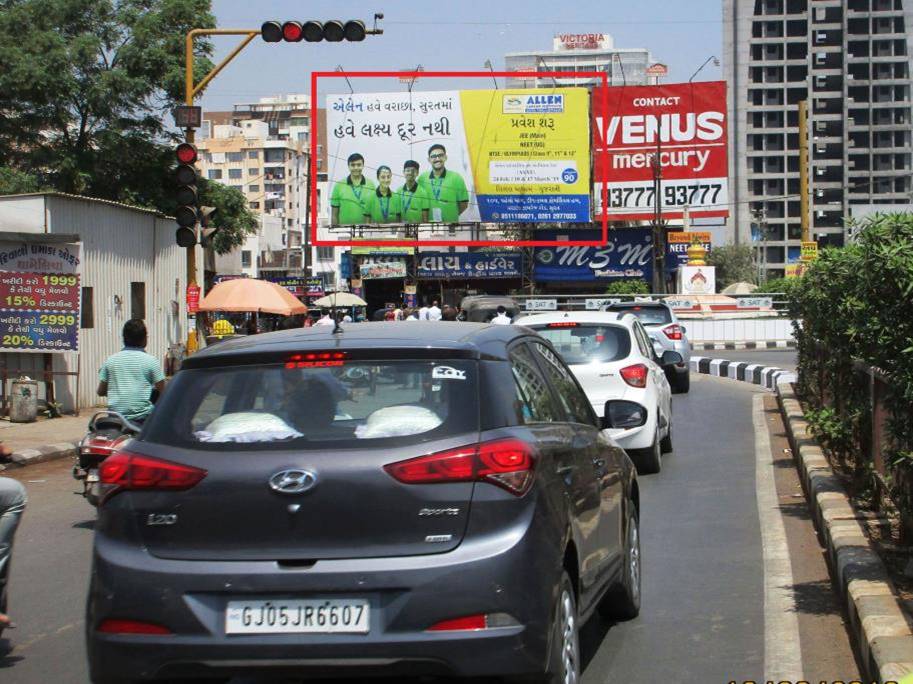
(501, 318)
(434, 312)
(325, 318)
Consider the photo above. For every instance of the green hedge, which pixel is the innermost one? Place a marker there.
(854, 303)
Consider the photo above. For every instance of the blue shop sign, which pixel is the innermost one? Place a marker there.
(345, 265)
(469, 265)
(628, 254)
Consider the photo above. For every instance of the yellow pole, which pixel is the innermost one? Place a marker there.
(191, 91)
(803, 168)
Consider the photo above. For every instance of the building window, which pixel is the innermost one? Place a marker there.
(234, 173)
(253, 154)
(87, 313)
(245, 258)
(235, 156)
(253, 205)
(214, 174)
(324, 254)
(272, 156)
(253, 171)
(138, 300)
(253, 188)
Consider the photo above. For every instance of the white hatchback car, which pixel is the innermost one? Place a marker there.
(613, 358)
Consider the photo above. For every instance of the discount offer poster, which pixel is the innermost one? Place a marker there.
(39, 297)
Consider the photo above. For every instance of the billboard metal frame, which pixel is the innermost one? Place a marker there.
(602, 172)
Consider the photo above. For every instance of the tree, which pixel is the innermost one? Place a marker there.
(86, 87)
(233, 218)
(734, 263)
(13, 182)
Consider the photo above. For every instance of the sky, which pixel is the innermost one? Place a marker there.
(452, 36)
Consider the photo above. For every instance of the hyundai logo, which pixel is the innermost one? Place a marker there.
(292, 481)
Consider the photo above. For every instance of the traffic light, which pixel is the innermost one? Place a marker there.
(332, 31)
(186, 196)
(207, 230)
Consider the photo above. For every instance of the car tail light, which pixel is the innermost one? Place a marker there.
(507, 463)
(673, 332)
(132, 627)
(125, 470)
(635, 376)
(474, 622)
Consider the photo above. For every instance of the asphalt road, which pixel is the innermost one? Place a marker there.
(703, 617)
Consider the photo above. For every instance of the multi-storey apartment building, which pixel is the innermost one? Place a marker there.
(850, 59)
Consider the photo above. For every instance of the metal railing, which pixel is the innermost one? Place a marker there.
(750, 305)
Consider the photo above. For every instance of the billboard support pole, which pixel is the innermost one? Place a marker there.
(659, 261)
(803, 168)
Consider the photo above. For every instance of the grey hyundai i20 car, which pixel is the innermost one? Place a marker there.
(425, 499)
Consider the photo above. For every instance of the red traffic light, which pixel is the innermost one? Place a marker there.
(292, 31)
(186, 153)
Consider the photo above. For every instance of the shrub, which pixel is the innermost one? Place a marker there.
(628, 287)
(734, 264)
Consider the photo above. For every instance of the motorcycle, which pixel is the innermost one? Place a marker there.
(108, 432)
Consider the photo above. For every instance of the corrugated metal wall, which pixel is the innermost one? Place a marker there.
(120, 246)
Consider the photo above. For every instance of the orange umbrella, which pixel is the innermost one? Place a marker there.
(249, 294)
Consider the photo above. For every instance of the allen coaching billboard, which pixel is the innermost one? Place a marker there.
(460, 156)
(688, 121)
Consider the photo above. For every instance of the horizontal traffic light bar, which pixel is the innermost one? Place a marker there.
(333, 31)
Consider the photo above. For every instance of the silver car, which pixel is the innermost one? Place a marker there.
(666, 333)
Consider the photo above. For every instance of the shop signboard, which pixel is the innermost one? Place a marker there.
(628, 254)
(685, 125)
(40, 297)
(469, 265)
(483, 155)
(376, 268)
(677, 244)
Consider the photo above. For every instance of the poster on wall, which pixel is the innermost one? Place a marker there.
(628, 254)
(684, 124)
(40, 297)
(460, 156)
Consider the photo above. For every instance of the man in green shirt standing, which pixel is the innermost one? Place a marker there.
(349, 201)
(413, 198)
(449, 197)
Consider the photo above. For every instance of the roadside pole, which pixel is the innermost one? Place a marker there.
(659, 246)
(803, 168)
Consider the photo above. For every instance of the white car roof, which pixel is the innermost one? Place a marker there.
(596, 317)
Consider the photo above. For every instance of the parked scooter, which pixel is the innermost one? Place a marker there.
(108, 432)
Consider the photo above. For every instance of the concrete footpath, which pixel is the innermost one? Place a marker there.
(44, 440)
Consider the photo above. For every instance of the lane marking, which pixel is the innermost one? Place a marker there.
(782, 651)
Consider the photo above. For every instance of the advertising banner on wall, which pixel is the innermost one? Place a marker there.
(628, 254)
(375, 268)
(40, 297)
(459, 156)
(686, 124)
(469, 265)
(677, 245)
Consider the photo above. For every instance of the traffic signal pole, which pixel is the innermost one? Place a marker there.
(191, 90)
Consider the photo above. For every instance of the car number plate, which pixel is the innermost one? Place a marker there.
(92, 477)
(297, 616)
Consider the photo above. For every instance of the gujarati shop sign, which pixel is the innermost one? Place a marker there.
(469, 265)
(40, 297)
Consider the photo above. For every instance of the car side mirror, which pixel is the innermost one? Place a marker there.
(671, 358)
(684, 330)
(623, 415)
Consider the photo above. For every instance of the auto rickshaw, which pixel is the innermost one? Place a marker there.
(482, 308)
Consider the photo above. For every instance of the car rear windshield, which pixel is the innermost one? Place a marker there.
(357, 404)
(587, 343)
(648, 315)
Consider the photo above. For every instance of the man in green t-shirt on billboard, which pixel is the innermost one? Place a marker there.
(447, 189)
(414, 199)
(350, 198)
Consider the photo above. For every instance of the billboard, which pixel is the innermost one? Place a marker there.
(686, 124)
(459, 156)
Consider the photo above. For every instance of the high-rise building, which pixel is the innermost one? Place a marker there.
(581, 53)
(850, 59)
(278, 130)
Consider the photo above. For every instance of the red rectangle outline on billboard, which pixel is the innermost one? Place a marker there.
(455, 243)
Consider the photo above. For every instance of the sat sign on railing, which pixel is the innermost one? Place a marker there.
(541, 305)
